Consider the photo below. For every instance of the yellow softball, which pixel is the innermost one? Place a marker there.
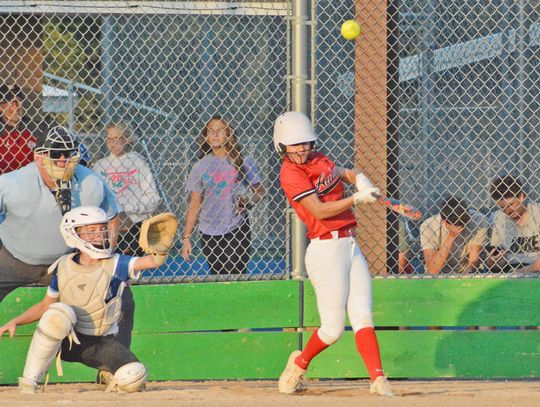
(350, 29)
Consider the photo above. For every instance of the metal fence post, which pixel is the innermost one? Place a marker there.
(299, 84)
(71, 106)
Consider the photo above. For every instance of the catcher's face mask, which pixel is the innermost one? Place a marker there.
(96, 235)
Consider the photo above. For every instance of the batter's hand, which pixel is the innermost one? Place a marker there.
(362, 183)
(367, 192)
(11, 326)
(365, 197)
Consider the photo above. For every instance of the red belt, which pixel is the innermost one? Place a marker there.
(337, 234)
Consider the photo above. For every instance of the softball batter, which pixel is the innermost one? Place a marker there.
(334, 263)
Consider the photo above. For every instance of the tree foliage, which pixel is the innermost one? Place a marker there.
(72, 51)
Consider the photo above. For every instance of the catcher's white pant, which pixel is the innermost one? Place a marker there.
(342, 282)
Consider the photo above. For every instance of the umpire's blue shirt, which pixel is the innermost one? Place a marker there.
(30, 217)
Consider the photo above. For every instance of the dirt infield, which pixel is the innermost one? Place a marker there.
(264, 393)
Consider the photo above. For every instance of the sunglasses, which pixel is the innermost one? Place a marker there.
(58, 154)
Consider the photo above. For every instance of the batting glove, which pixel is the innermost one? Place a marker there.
(367, 196)
(367, 192)
(362, 183)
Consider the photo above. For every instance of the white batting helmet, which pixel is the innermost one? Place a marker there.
(81, 216)
(292, 128)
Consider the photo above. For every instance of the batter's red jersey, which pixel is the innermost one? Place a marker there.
(317, 176)
(16, 149)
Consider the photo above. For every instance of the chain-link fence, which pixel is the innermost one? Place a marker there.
(139, 82)
(467, 115)
(433, 100)
(458, 113)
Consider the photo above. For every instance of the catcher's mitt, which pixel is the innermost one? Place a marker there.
(157, 235)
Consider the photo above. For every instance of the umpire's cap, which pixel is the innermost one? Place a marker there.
(8, 92)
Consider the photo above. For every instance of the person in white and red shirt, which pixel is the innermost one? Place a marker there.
(335, 265)
(129, 176)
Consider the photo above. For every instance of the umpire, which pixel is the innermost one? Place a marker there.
(33, 200)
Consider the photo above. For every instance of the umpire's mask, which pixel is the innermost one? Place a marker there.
(60, 154)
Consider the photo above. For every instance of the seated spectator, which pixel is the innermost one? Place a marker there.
(129, 176)
(516, 228)
(453, 239)
(17, 140)
(404, 248)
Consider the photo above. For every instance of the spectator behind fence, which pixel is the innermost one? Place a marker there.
(223, 185)
(453, 239)
(516, 228)
(17, 138)
(130, 177)
(404, 248)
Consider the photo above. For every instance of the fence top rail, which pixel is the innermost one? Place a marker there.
(276, 8)
(469, 52)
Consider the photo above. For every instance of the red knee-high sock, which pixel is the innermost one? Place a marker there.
(312, 349)
(368, 347)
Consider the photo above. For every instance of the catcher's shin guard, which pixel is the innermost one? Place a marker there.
(55, 324)
(128, 378)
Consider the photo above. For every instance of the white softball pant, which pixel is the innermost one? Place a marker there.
(340, 276)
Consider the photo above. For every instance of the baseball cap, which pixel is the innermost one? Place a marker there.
(8, 92)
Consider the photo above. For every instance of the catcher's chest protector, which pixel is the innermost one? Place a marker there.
(85, 289)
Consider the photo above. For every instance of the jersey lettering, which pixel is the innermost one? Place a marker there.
(327, 182)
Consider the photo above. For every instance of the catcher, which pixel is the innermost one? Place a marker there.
(78, 315)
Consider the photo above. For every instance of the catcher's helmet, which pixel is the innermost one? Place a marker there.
(292, 128)
(81, 216)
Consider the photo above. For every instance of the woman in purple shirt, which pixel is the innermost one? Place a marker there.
(223, 186)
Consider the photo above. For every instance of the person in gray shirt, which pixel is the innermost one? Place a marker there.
(453, 239)
(515, 237)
